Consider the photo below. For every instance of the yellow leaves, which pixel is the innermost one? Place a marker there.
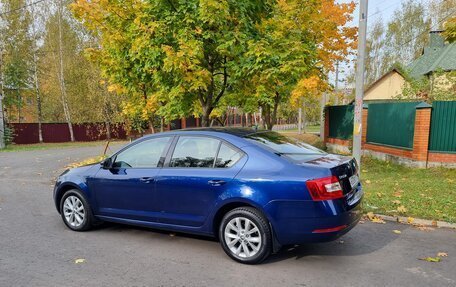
(87, 161)
(311, 86)
(410, 220)
(401, 209)
(374, 218)
(431, 259)
(396, 202)
(397, 231)
(438, 258)
(379, 194)
(116, 88)
(367, 181)
(79, 261)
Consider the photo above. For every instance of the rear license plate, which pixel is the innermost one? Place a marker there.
(354, 180)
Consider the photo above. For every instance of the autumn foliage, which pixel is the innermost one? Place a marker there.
(174, 58)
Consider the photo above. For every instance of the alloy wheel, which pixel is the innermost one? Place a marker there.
(73, 210)
(242, 237)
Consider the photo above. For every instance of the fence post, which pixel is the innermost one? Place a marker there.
(364, 125)
(421, 133)
(183, 123)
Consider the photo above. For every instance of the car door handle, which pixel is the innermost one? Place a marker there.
(146, 179)
(216, 182)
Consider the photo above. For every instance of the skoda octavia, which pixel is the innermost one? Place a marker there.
(254, 190)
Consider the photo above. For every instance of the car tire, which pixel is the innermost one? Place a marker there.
(76, 211)
(245, 235)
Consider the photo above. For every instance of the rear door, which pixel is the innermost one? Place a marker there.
(197, 172)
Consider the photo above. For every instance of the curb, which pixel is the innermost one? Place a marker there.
(418, 221)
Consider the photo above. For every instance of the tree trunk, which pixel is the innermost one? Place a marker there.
(66, 109)
(35, 78)
(205, 119)
(108, 130)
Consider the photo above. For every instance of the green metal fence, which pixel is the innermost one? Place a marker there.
(391, 124)
(443, 127)
(340, 121)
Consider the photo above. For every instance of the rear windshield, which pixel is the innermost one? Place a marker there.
(285, 146)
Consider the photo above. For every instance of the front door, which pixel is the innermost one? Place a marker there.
(188, 186)
(127, 190)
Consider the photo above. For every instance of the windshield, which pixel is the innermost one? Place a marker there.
(285, 146)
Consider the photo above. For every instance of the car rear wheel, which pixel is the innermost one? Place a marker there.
(76, 212)
(245, 235)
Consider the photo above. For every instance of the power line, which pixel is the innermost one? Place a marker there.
(383, 10)
(20, 8)
(420, 34)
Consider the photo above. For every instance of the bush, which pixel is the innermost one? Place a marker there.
(9, 135)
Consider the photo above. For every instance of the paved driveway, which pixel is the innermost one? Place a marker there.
(36, 249)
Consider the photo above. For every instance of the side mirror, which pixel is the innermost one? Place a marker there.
(106, 163)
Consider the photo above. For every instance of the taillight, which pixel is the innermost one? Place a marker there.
(326, 188)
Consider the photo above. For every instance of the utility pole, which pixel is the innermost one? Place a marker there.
(336, 85)
(300, 121)
(322, 116)
(359, 94)
(2, 121)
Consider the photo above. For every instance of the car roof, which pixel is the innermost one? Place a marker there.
(240, 132)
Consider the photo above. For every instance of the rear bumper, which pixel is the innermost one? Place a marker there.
(298, 222)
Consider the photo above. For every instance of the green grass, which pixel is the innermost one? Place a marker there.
(44, 146)
(424, 193)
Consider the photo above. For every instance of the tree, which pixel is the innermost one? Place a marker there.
(16, 59)
(296, 46)
(375, 67)
(450, 30)
(183, 53)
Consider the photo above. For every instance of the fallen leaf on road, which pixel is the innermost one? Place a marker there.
(79, 261)
(397, 231)
(410, 220)
(431, 259)
(341, 241)
(442, 254)
(375, 219)
(172, 234)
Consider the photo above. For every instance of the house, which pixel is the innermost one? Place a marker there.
(436, 63)
(387, 87)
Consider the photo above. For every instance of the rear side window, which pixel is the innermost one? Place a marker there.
(227, 156)
(195, 152)
(285, 146)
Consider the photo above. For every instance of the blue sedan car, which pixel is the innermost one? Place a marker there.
(256, 191)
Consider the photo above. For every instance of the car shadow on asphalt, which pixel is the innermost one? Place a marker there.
(361, 240)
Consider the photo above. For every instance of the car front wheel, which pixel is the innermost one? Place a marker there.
(75, 211)
(245, 235)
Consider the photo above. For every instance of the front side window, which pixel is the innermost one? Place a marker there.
(194, 152)
(145, 154)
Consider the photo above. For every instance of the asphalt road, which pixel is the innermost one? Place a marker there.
(36, 249)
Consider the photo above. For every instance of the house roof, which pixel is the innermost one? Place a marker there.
(437, 56)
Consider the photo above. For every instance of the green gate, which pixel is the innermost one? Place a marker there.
(340, 122)
(443, 127)
(391, 124)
